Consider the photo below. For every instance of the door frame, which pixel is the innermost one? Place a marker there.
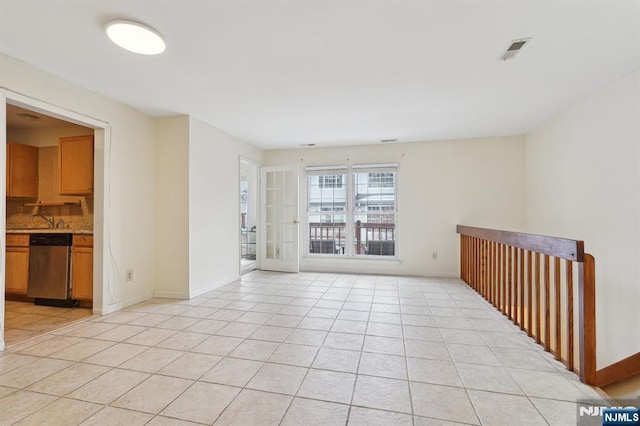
(102, 175)
(255, 166)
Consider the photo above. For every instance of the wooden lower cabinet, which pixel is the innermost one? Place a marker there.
(16, 264)
(82, 268)
(17, 270)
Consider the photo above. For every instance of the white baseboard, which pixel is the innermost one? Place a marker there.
(357, 269)
(171, 295)
(442, 275)
(213, 286)
(121, 305)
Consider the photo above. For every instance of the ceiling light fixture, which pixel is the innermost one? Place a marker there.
(28, 117)
(135, 37)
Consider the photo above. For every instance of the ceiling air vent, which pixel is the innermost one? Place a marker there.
(307, 144)
(388, 140)
(514, 48)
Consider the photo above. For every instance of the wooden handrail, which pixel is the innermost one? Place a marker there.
(551, 246)
(521, 275)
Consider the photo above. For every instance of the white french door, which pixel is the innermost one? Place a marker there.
(279, 243)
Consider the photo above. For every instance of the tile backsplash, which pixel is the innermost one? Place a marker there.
(78, 217)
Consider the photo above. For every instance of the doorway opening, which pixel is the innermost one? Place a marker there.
(44, 283)
(54, 190)
(248, 215)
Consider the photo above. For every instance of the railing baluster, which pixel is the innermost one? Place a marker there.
(476, 279)
(538, 309)
(466, 259)
(556, 270)
(587, 319)
(569, 273)
(521, 289)
(547, 307)
(514, 296)
(509, 280)
(529, 301)
(485, 275)
(498, 275)
(494, 278)
(504, 278)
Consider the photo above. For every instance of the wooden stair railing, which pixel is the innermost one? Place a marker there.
(530, 279)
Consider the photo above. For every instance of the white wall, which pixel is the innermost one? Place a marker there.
(172, 207)
(132, 171)
(478, 182)
(214, 205)
(583, 182)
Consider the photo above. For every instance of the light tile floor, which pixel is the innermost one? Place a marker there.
(247, 265)
(24, 320)
(293, 349)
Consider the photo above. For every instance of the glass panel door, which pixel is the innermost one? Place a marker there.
(280, 219)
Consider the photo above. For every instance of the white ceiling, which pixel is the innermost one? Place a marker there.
(279, 73)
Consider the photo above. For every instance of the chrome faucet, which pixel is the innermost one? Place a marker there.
(50, 220)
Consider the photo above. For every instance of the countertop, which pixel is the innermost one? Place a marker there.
(49, 231)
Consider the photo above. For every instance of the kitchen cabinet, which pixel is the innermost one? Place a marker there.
(22, 171)
(82, 267)
(17, 264)
(75, 164)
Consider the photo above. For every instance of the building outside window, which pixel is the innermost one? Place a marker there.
(352, 210)
(330, 181)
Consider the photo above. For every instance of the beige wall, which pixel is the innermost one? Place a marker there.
(197, 206)
(214, 207)
(583, 182)
(477, 182)
(133, 175)
(172, 207)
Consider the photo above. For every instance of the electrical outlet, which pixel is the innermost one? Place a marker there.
(434, 255)
(129, 274)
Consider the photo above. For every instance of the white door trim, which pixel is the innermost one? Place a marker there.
(101, 222)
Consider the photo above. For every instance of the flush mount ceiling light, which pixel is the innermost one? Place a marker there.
(135, 37)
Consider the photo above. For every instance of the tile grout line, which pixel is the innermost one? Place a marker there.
(355, 382)
(312, 362)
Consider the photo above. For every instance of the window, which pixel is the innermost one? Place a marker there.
(351, 211)
(326, 207)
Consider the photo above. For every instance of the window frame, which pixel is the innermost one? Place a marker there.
(349, 250)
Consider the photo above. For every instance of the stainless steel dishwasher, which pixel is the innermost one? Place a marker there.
(49, 266)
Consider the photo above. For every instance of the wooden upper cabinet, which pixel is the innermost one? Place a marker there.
(22, 171)
(75, 162)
